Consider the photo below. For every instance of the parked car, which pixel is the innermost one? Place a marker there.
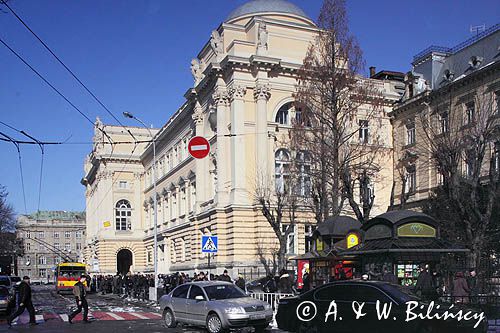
(5, 281)
(216, 305)
(318, 301)
(5, 300)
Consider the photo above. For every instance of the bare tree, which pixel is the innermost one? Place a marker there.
(7, 216)
(336, 104)
(267, 253)
(464, 149)
(279, 205)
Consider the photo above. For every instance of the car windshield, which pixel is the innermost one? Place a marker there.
(223, 291)
(402, 294)
(4, 282)
(4, 291)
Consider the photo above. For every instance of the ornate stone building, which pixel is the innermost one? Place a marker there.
(49, 238)
(244, 79)
(445, 93)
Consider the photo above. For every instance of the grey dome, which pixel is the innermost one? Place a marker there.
(266, 6)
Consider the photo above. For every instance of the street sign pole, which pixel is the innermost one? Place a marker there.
(209, 255)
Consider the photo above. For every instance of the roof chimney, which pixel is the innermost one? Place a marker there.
(372, 71)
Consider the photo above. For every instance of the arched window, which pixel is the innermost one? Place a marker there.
(283, 115)
(303, 186)
(123, 212)
(282, 169)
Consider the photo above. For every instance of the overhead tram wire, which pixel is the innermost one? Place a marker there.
(42, 148)
(67, 68)
(8, 138)
(53, 87)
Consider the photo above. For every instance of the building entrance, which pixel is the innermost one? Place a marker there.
(123, 261)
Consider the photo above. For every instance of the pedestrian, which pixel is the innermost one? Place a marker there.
(306, 282)
(284, 282)
(424, 285)
(473, 286)
(389, 276)
(25, 302)
(460, 289)
(81, 300)
(240, 282)
(225, 277)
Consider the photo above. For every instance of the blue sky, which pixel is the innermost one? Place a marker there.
(135, 56)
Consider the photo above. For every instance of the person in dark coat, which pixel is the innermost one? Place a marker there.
(389, 276)
(25, 302)
(240, 282)
(424, 285)
(225, 277)
(473, 286)
(285, 285)
(81, 300)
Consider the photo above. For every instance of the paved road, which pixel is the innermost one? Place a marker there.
(108, 313)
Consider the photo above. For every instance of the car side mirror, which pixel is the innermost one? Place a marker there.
(199, 298)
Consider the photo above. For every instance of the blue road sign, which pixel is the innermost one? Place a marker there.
(209, 244)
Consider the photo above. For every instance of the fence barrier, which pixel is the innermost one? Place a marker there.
(272, 299)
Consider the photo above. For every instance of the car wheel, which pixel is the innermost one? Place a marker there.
(214, 324)
(260, 328)
(169, 319)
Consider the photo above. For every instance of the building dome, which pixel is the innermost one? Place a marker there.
(266, 6)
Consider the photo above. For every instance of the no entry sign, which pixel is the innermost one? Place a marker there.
(198, 147)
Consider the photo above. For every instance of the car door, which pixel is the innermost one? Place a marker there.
(344, 320)
(196, 310)
(179, 298)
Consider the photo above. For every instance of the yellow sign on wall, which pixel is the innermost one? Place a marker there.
(107, 224)
(416, 230)
(352, 240)
(319, 245)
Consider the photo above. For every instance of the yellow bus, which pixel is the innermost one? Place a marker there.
(67, 275)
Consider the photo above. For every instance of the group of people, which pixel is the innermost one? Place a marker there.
(131, 285)
(170, 281)
(26, 302)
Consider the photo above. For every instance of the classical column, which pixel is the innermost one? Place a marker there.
(238, 157)
(261, 95)
(221, 101)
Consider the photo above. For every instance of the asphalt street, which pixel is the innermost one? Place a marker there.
(108, 314)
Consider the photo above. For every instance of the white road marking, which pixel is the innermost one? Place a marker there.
(138, 315)
(199, 147)
(155, 314)
(39, 318)
(64, 317)
(114, 315)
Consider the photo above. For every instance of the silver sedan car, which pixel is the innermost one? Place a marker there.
(216, 305)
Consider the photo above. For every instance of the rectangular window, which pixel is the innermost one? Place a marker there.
(27, 246)
(363, 131)
(57, 246)
(42, 272)
(67, 234)
(41, 234)
(67, 246)
(28, 234)
(78, 246)
(78, 234)
(470, 112)
(150, 256)
(42, 260)
(444, 122)
(309, 229)
(440, 178)
(290, 244)
(57, 260)
(123, 184)
(496, 157)
(411, 179)
(410, 133)
(56, 234)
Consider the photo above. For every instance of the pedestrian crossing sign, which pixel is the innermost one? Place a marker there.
(209, 244)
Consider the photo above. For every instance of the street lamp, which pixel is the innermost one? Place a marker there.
(155, 250)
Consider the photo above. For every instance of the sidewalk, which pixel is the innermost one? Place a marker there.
(133, 301)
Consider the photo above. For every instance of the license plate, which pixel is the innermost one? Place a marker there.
(258, 316)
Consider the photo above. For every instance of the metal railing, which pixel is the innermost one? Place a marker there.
(272, 299)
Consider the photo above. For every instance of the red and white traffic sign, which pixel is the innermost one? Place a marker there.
(198, 147)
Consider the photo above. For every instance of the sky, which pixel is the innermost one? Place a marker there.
(135, 56)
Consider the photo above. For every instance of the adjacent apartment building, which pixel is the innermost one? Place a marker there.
(49, 238)
(245, 76)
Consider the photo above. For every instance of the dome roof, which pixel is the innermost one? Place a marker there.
(266, 6)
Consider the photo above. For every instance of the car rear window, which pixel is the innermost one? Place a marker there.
(223, 291)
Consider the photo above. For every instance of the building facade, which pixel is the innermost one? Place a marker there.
(242, 103)
(449, 92)
(49, 238)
